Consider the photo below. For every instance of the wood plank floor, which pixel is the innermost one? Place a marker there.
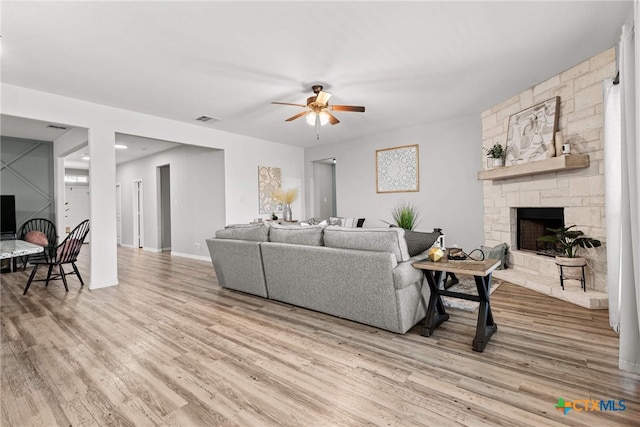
(169, 347)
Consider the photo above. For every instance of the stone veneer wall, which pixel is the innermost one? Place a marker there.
(580, 191)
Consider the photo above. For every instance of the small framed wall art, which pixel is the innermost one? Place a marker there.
(530, 136)
(397, 169)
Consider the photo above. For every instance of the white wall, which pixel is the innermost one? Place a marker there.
(197, 198)
(450, 195)
(242, 157)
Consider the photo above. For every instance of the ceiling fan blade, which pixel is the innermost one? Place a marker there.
(347, 108)
(297, 116)
(323, 97)
(332, 119)
(287, 103)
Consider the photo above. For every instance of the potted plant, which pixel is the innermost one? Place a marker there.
(405, 215)
(497, 153)
(568, 242)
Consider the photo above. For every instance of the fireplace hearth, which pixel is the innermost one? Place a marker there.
(532, 223)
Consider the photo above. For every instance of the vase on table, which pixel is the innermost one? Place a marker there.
(286, 212)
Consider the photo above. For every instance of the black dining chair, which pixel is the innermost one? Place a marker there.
(65, 253)
(44, 226)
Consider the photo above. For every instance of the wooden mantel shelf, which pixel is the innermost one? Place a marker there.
(553, 164)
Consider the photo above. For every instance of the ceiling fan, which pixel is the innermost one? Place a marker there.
(317, 109)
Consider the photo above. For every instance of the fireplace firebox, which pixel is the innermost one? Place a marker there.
(532, 223)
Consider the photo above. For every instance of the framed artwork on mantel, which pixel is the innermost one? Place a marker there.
(397, 169)
(269, 179)
(530, 136)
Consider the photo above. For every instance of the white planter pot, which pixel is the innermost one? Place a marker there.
(571, 267)
(497, 163)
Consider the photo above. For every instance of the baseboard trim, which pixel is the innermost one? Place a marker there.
(152, 249)
(93, 286)
(191, 256)
(125, 245)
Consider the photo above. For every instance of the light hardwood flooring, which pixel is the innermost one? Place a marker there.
(169, 347)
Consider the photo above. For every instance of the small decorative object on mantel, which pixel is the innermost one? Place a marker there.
(567, 242)
(286, 198)
(559, 141)
(496, 155)
(531, 133)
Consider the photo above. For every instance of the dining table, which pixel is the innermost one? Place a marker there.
(16, 248)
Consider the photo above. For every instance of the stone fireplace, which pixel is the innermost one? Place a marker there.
(514, 205)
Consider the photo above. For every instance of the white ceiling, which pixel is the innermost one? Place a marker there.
(409, 63)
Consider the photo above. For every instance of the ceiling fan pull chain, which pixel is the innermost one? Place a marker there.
(318, 127)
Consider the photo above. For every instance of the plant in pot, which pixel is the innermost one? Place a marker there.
(568, 242)
(496, 153)
(406, 215)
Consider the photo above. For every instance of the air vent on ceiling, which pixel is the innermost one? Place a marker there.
(205, 119)
(57, 127)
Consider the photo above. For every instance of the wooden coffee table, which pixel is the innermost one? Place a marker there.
(436, 314)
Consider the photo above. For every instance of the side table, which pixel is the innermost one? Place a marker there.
(436, 314)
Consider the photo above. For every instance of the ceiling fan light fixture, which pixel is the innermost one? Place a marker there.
(311, 118)
(324, 118)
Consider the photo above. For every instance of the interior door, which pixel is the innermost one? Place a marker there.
(138, 217)
(119, 213)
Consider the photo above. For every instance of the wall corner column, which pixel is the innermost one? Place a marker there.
(102, 179)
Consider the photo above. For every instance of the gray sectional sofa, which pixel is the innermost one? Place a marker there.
(360, 274)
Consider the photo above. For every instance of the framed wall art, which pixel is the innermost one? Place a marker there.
(530, 136)
(397, 169)
(269, 179)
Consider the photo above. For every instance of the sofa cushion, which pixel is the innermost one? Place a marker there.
(370, 239)
(418, 241)
(310, 235)
(253, 232)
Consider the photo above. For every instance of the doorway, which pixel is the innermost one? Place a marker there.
(138, 218)
(324, 188)
(164, 208)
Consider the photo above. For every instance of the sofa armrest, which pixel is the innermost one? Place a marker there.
(238, 265)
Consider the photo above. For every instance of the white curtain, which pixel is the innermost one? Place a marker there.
(622, 177)
(613, 195)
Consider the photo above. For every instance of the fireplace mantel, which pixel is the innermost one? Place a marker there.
(553, 164)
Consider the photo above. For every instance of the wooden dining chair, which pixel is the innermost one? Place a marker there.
(65, 253)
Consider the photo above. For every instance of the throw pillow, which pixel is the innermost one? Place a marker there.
(336, 220)
(497, 252)
(37, 238)
(69, 250)
(418, 242)
(311, 235)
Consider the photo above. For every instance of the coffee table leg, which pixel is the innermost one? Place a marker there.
(486, 326)
(435, 309)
